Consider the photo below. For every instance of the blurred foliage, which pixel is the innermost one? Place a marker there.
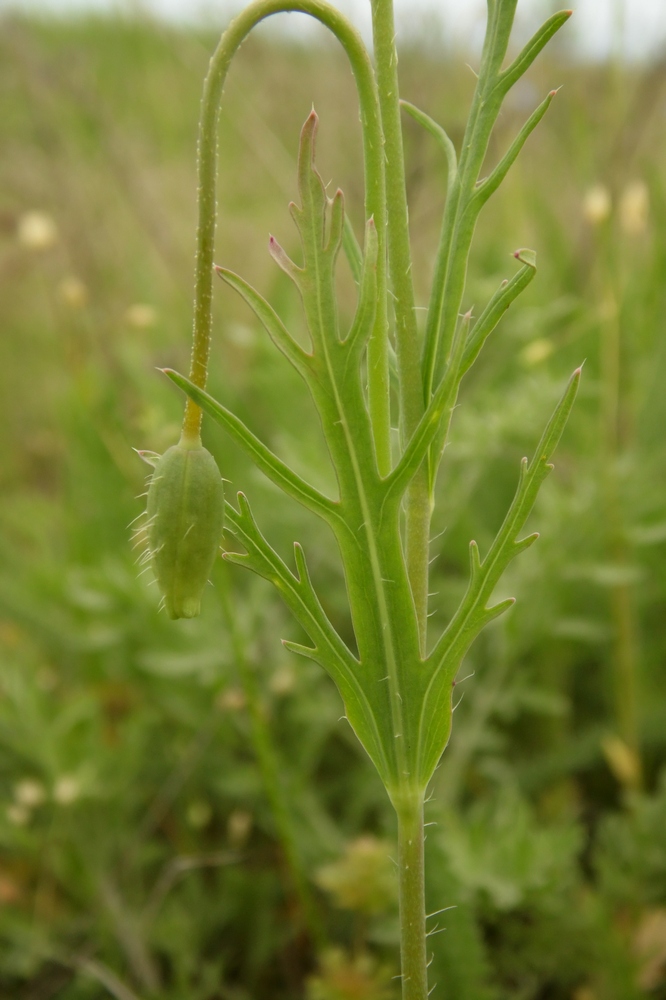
(183, 814)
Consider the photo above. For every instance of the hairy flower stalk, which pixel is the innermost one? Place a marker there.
(397, 687)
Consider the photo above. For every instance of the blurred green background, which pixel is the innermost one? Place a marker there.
(183, 814)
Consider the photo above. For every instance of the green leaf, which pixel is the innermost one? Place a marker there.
(300, 597)
(473, 614)
(487, 187)
(430, 423)
(438, 134)
(270, 320)
(367, 301)
(284, 261)
(310, 216)
(526, 57)
(507, 293)
(336, 224)
(352, 250)
(273, 467)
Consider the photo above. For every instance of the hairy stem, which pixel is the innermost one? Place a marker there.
(412, 896)
(417, 508)
(375, 196)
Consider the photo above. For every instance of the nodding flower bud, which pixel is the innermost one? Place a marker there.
(185, 511)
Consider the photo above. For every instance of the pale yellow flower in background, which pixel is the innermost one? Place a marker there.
(536, 351)
(634, 208)
(37, 231)
(597, 204)
(66, 790)
(141, 316)
(29, 793)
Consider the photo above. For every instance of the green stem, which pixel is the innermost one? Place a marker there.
(375, 199)
(411, 879)
(462, 211)
(268, 760)
(417, 507)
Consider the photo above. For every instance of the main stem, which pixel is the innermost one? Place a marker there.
(408, 804)
(417, 506)
(412, 897)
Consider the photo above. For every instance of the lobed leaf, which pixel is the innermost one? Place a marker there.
(328, 650)
(473, 614)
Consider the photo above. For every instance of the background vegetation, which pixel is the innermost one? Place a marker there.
(183, 814)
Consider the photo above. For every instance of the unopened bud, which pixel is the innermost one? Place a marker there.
(185, 511)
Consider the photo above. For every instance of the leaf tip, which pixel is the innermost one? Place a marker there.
(574, 381)
(308, 132)
(526, 256)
